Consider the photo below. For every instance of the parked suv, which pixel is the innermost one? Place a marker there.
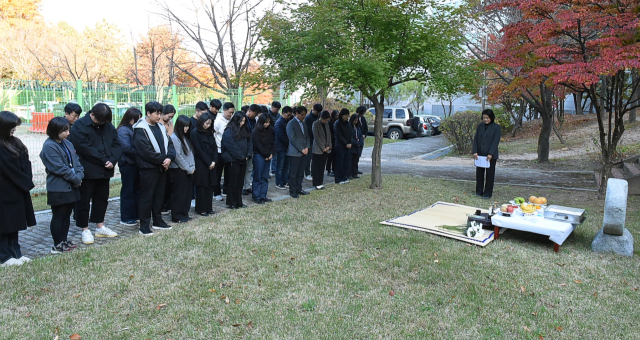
(396, 122)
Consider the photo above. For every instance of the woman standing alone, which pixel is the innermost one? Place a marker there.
(485, 143)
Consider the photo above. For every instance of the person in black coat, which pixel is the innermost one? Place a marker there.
(264, 147)
(64, 176)
(236, 148)
(331, 156)
(485, 143)
(16, 179)
(342, 132)
(201, 107)
(155, 154)
(357, 143)
(129, 173)
(205, 150)
(97, 146)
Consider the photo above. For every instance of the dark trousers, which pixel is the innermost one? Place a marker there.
(152, 182)
(317, 168)
(261, 170)
(166, 201)
(485, 188)
(220, 168)
(355, 158)
(204, 199)
(129, 193)
(342, 164)
(274, 162)
(282, 168)
(60, 222)
(235, 173)
(181, 187)
(330, 162)
(307, 162)
(9, 247)
(94, 196)
(296, 174)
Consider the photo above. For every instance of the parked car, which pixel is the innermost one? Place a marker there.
(426, 127)
(434, 121)
(397, 122)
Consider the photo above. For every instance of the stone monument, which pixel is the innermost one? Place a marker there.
(614, 237)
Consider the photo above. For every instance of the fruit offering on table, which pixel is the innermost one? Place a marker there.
(511, 208)
(528, 208)
(519, 200)
(537, 200)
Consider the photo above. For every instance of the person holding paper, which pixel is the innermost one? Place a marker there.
(485, 144)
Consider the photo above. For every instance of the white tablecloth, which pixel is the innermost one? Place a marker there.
(556, 230)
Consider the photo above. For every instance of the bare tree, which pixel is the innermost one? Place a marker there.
(223, 36)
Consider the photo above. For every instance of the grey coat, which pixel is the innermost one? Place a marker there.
(298, 140)
(486, 140)
(60, 176)
(182, 161)
(321, 140)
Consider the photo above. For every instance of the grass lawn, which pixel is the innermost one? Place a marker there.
(368, 142)
(40, 200)
(322, 267)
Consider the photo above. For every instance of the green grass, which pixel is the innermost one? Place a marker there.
(40, 200)
(322, 267)
(368, 142)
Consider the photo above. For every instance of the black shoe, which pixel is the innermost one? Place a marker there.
(486, 197)
(295, 196)
(203, 214)
(267, 200)
(330, 174)
(303, 192)
(348, 178)
(359, 172)
(145, 231)
(259, 201)
(245, 192)
(70, 244)
(211, 213)
(189, 218)
(242, 206)
(355, 177)
(163, 227)
(478, 195)
(181, 221)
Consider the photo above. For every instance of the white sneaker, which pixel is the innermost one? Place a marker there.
(343, 182)
(24, 259)
(11, 262)
(105, 232)
(309, 178)
(320, 187)
(87, 238)
(193, 203)
(218, 198)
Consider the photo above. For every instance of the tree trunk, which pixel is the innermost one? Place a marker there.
(635, 77)
(376, 155)
(546, 112)
(577, 101)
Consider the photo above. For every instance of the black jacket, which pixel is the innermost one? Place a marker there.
(205, 151)
(125, 137)
(267, 147)
(16, 179)
(95, 149)
(235, 150)
(486, 140)
(357, 140)
(309, 120)
(342, 132)
(148, 158)
(364, 126)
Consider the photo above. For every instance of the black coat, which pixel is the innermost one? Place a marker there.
(342, 132)
(364, 126)
(16, 179)
(267, 146)
(235, 150)
(205, 151)
(95, 149)
(125, 137)
(309, 120)
(357, 140)
(148, 158)
(486, 140)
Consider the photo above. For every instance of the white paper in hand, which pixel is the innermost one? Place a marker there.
(482, 162)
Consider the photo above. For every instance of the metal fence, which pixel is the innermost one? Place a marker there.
(36, 102)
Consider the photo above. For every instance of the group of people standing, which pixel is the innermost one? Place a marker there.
(165, 163)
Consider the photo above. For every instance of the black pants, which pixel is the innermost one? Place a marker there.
(330, 161)
(307, 162)
(204, 199)
(181, 187)
(317, 168)
(235, 173)
(220, 168)
(9, 247)
(129, 193)
(60, 222)
(355, 158)
(296, 174)
(153, 183)
(485, 188)
(94, 195)
(342, 165)
(166, 201)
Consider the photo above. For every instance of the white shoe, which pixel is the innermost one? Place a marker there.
(24, 259)
(343, 182)
(105, 232)
(193, 203)
(11, 262)
(87, 238)
(309, 178)
(320, 187)
(224, 195)
(218, 198)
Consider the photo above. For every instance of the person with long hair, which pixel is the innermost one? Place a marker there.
(342, 131)
(485, 143)
(16, 179)
(64, 176)
(98, 147)
(331, 156)
(166, 118)
(181, 171)
(205, 150)
(357, 144)
(321, 148)
(264, 146)
(236, 150)
(129, 174)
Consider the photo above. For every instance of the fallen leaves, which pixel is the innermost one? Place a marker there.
(77, 295)
(75, 336)
(161, 306)
(392, 293)
(523, 290)
(527, 329)
(212, 290)
(559, 329)
(577, 281)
